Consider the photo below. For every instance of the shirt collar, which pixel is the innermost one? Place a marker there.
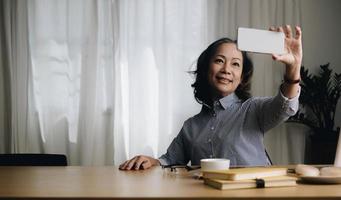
(224, 102)
(227, 101)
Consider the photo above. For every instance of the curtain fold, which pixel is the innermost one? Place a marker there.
(17, 66)
(158, 42)
(102, 81)
(4, 87)
(73, 75)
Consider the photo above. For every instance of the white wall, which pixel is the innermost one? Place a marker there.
(321, 25)
(321, 20)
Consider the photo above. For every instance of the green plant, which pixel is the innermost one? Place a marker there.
(319, 97)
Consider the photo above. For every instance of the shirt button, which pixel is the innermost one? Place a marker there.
(209, 140)
(212, 128)
(214, 114)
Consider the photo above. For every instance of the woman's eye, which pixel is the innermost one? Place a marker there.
(236, 64)
(219, 60)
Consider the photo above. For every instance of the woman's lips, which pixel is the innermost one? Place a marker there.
(224, 80)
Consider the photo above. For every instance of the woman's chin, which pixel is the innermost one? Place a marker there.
(224, 93)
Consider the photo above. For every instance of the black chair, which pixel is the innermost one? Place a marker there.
(33, 160)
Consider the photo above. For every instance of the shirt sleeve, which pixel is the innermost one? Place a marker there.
(275, 110)
(176, 154)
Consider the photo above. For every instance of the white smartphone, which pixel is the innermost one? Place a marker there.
(260, 41)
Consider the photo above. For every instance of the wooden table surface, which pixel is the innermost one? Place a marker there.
(109, 182)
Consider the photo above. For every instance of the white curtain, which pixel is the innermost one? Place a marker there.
(158, 43)
(102, 81)
(16, 76)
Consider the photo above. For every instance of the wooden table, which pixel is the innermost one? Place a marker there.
(108, 182)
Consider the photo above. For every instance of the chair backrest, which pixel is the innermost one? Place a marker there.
(33, 160)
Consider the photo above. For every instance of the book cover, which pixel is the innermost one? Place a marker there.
(245, 173)
(276, 181)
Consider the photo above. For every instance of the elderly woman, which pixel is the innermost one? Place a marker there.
(231, 123)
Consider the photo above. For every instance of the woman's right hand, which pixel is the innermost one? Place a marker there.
(139, 162)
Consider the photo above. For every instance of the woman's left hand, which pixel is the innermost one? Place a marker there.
(292, 57)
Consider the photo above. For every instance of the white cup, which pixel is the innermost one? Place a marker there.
(214, 164)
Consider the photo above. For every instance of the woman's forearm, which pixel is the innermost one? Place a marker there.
(292, 77)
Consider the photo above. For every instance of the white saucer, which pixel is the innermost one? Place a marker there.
(321, 179)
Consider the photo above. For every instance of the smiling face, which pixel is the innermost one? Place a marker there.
(225, 70)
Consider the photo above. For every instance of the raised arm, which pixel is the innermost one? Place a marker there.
(292, 59)
(274, 110)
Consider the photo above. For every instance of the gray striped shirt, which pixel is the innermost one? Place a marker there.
(230, 129)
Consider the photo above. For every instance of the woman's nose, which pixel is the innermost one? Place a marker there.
(226, 69)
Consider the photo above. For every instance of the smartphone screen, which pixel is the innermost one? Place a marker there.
(260, 41)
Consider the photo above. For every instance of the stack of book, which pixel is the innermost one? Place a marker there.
(249, 177)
